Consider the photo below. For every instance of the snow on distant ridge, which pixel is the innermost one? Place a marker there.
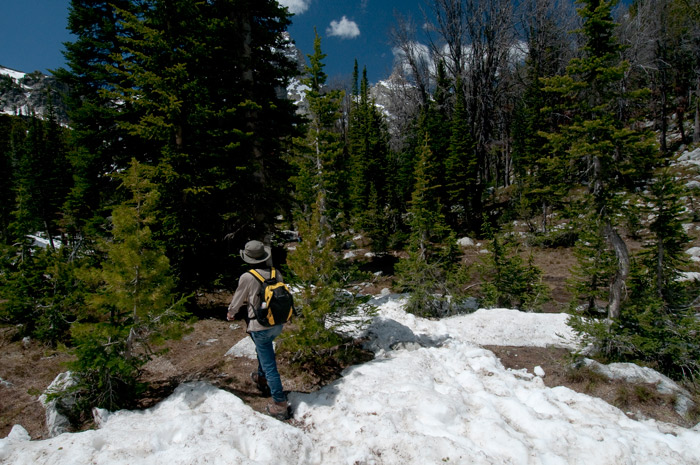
(28, 94)
(16, 75)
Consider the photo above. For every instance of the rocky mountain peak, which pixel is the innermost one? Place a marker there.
(23, 94)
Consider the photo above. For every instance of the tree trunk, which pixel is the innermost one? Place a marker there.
(660, 268)
(49, 235)
(623, 266)
(253, 125)
(544, 217)
(664, 122)
(696, 132)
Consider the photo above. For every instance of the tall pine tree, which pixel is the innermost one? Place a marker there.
(40, 178)
(461, 169)
(133, 304)
(426, 271)
(98, 145)
(318, 157)
(595, 148)
(192, 89)
(369, 166)
(539, 185)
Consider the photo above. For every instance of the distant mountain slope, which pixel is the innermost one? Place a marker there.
(26, 93)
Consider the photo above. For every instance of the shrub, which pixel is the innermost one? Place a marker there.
(40, 293)
(507, 280)
(315, 342)
(132, 303)
(554, 238)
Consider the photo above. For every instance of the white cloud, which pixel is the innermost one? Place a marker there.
(416, 52)
(345, 29)
(296, 6)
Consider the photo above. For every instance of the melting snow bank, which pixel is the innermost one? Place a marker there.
(197, 424)
(393, 328)
(432, 395)
(457, 404)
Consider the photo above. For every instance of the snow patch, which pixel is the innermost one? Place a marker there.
(694, 253)
(15, 75)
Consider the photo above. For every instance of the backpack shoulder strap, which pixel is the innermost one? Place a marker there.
(257, 275)
(272, 273)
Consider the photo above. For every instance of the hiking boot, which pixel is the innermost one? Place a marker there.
(279, 410)
(260, 383)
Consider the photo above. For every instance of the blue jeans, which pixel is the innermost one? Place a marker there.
(267, 365)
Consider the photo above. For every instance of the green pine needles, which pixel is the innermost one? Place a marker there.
(318, 341)
(508, 280)
(658, 325)
(430, 274)
(132, 305)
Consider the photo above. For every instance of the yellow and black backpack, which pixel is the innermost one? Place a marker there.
(277, 303)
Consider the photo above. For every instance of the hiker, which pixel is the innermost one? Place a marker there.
(247, 295)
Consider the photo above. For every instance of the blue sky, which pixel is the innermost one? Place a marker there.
(349, 30)
(32, 32)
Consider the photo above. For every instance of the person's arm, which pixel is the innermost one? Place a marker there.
(240, 297)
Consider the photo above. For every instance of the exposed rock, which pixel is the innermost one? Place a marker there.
(56, 420)
(24, 94)
(465, 242)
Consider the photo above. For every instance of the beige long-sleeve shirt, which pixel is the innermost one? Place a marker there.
(248, 294)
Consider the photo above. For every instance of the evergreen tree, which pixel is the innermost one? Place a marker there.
(427, 273)
(98, 145)
(659, 322)
(595, 148)
(133, 305)
(664, 255)
(7, 177)
(316, 342)
(376, 222)
(318, 158)
(196, 86)
(540, 185)
(658, 325)
(21, 219)
(40, 293)
(507, 280)
(369, 166)
(461, 170)
(426, 221)
(40, 178)
(434, 119)
(594, 270)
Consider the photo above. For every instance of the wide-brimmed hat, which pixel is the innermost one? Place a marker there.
(255, 252)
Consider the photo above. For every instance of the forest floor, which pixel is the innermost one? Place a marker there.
(27, 368)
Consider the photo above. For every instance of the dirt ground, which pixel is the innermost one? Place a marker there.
(26, 369)
(638, 401)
